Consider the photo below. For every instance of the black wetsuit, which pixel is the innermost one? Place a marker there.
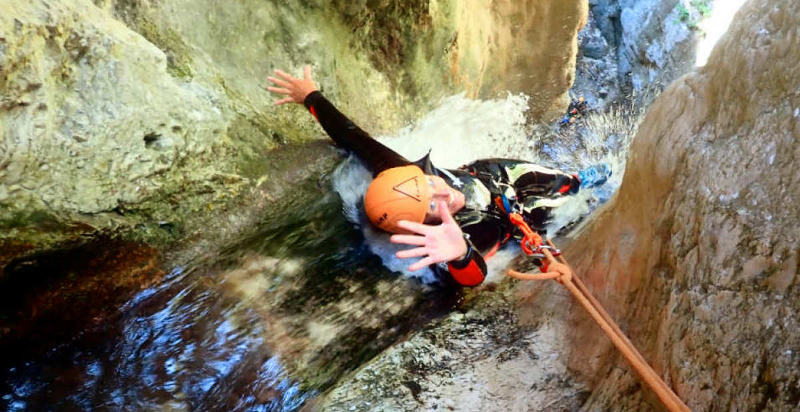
(491, 187)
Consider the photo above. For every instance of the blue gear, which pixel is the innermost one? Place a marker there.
(594, 176)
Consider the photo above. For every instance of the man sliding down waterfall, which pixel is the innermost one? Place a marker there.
(453, 217)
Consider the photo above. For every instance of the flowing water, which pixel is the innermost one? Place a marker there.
(281, 314)
(462, 130)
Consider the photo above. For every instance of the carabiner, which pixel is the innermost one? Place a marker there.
(531, 240)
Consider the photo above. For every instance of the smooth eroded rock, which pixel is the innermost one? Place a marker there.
(699, 259)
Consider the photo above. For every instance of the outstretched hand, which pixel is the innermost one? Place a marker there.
(296, 89)
(437, 243)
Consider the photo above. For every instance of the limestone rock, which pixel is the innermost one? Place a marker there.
(117, 115)
(655, 45)
(484, 357)
(596, 67)
(519, 46)
(90, 114)
(699, 258)
(639, 47)
(490, 47)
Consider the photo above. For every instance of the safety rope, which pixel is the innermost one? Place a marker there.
(559, 270)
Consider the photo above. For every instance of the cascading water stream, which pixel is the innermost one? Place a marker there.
(462, 130)
(300, 292)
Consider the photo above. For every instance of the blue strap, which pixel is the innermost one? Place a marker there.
(506, 203)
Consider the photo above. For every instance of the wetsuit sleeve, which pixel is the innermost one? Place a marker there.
(349, 136)
(469, 271)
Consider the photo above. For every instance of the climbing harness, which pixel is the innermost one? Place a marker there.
(559, 270)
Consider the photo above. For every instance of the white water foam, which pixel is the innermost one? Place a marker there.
(457, 132)
(462, 130)
(605, 138)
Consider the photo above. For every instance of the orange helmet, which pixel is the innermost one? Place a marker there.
(399, 193)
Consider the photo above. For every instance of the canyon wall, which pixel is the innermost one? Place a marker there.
(632, 50)
(149, 119)
(696, 256)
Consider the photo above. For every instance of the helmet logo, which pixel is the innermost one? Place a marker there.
(406, 187)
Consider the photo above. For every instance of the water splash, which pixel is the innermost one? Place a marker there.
(461, 130)
(458, 131)
(604, 137)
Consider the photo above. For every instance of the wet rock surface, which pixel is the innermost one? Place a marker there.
(702, 272)
(93, 123)
(122, 116)
(656, 45)
(596, 71)
(500, 351)
(276, 306)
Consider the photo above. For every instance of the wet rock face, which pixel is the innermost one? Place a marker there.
(702, 273)
(596, 66)
(655, 45)
(483, 357)
(519, 46)
(93, 123)
(488, 46)
(122, 114)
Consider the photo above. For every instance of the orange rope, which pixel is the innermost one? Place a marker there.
(585, 291)
(530, 238)
(561, 272)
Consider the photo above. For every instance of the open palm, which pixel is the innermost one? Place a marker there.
(295, 88)
(436, 243)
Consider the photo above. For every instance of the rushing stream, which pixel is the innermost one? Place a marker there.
(303, 293)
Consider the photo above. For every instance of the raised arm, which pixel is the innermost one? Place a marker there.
(341, 129)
